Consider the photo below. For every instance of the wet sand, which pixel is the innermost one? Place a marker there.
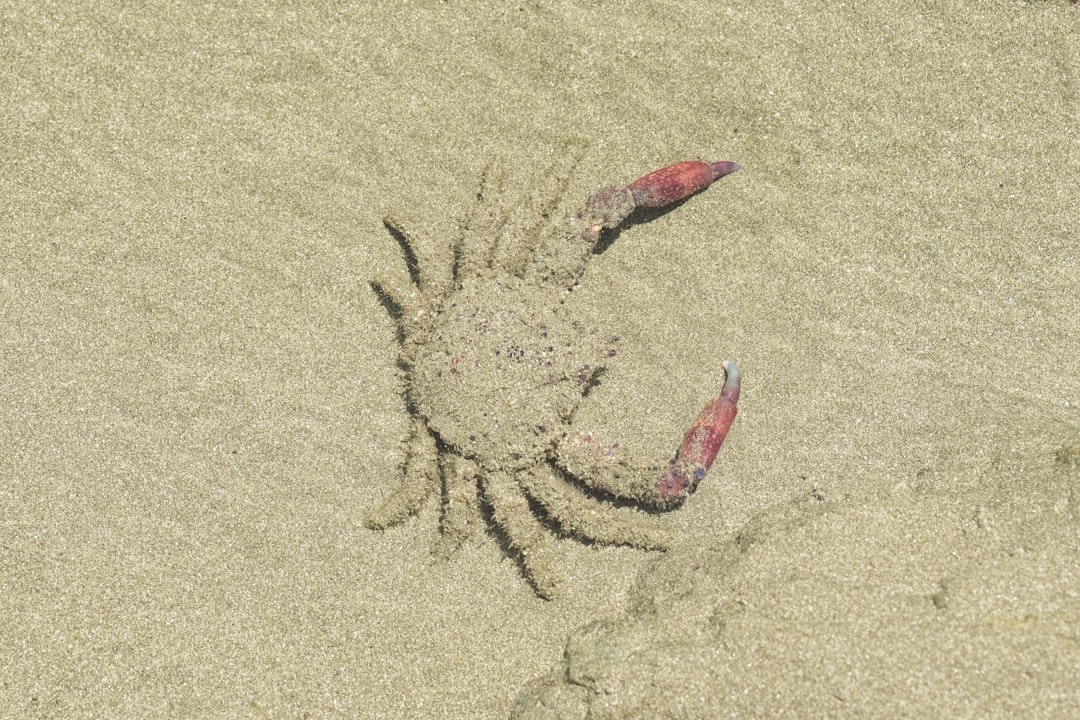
(200, 397)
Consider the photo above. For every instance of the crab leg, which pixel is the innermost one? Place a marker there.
(524, 532)
(700, 444)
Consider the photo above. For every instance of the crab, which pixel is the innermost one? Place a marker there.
(495, 366)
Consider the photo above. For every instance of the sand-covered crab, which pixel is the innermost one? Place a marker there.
(495, 368)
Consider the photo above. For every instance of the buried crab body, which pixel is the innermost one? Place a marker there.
(496, 366)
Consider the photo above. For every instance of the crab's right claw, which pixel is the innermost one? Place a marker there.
(700, 444)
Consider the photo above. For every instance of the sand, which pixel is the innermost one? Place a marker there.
(199, 396)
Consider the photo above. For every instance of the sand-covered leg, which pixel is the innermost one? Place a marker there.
(482, 227)
(433, 277)
(411, 300)
(582, 516)
(461, 509)
(421, 476)
(533, 219)
(524, 532)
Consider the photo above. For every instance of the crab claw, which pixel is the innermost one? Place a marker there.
(677, 182)
(700, 444)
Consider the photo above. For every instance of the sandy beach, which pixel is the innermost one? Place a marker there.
(200, 398)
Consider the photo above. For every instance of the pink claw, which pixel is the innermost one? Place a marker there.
(701, 443)
(676, 182)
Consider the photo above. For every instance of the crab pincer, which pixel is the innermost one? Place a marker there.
(700, 444)
(677, 182)
(666, 186)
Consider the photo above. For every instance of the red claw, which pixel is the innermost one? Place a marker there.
(676, 182)
(701, 443)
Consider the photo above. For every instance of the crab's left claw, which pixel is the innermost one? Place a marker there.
(700, 444)
(677, 182)
(559, 258)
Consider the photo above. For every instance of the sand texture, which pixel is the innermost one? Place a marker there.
(199, 400)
